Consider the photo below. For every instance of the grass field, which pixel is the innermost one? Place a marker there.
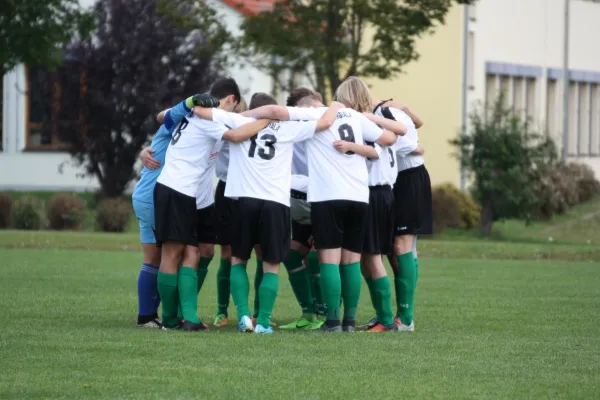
(512, 318)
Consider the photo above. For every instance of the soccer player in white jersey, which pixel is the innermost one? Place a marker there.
(339, 195)
(413, 209)
(188, 157)
(259, 177)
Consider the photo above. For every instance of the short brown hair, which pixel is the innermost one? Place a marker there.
(300, 93)
(260, 99)
(241, 106)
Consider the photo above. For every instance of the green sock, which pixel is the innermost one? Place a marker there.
(223, 275)
(351, 284)
(257, 280)
(300, 282)
(202, 270)
(240, 289)
(371, 287)
(331, 288)
(383, 294)
(269, 287)
(416, 271)
(167, 289)
(187, 285)
(315, 281)
(405, 287)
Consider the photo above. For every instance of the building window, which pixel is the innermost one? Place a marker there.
(53, 106)
(594, 120)
(518, 103)
(491, 90)
(552, 112)
(520, 93)
(1, 112)
(505, 87)
(530, 96)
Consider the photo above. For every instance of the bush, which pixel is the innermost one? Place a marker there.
(564, 187)
(453, 208)
(28, 213)
(65, 211)
(113, 214)
(5, 210)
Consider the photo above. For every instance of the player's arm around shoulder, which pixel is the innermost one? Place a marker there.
(268, 112)
(396, 127)
(246, 131)
(409, 111)
(328, 118)
(361, 149)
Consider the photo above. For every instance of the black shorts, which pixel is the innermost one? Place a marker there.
(412, 195)
(224, 210)
(339, 224)
(206, 225)
(175, 216)
(379, 235)
(262, 222)
(302, 233)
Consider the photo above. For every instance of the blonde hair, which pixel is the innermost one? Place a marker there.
(241, 106)
(354, 93)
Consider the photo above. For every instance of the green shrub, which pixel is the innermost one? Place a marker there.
(65, 211)
(453, 208)
(587, 185)
(28, 213)
(5, 209)
(112, 214)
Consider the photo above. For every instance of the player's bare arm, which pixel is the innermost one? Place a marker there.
(329, 117)
(160, 117)
(361, 149)
(245, 131)
(409, 111)
(269, 112)
(147, 160)
(418, 151)
(396, 127)
(387, 138)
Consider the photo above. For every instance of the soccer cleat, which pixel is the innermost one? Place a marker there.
(327, 329)
(271, 323)
(245, 324)
(154, 323)
(221, 320)
(369, 324)
(192, 327)
(383, 328)
(349, 328)
(264, 331)
(404, 328)
(166, 327)
(303, 323)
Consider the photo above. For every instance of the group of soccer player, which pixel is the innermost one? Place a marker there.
(347, 180)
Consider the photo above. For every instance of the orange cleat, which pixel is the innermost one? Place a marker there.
(382, 328)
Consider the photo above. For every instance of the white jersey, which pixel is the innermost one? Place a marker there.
(300, 183)
(383, 170)
(299, 164)
(261, 167)
(405, 144)
(333, 175)
(205, 194)
(189, 153)
(223, 162)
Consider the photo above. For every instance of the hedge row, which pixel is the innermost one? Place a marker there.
(61, 212)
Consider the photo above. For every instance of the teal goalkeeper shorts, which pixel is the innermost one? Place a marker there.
(144, 212)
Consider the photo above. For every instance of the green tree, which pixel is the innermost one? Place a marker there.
(33, 31)
(506, 161)
(329, 40)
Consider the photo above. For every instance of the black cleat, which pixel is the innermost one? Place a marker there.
(329, 329)
(192, 327)
(166, 327)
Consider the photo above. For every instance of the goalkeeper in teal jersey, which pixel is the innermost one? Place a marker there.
(143, 205)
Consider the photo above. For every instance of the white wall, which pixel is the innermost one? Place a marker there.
(531, 33)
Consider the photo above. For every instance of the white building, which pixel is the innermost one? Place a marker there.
(31, 161)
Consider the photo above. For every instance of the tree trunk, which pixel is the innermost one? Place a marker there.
(486, 219)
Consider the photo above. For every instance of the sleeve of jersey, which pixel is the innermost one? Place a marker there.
(175, 115)
(305, 114)
(306, 130)
(230, 120)
(371, 132)
(405, 145)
